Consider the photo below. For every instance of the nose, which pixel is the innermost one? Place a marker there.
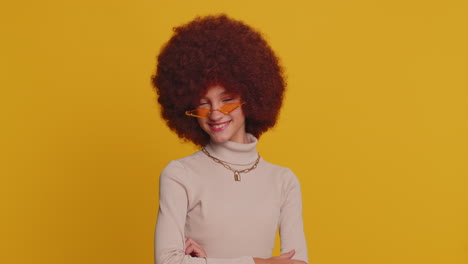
(215, 114)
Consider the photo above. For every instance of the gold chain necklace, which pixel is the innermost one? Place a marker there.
(237, 173)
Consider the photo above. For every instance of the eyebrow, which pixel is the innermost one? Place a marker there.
(226, 93)
(222, 94)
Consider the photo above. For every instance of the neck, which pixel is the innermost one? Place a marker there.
(234, 152)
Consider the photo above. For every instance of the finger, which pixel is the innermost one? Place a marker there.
(195, 251)
(190, 241)
(199, 251)
(192, 247)
(195, 244)
(294, 261)
(188, 250)
(187, 244)
(288, 255)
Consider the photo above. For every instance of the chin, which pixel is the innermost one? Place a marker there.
(218, 139)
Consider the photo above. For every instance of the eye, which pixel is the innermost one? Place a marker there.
(229, 99)
(202, 104)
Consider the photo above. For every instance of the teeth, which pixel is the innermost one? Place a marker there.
(219, 126)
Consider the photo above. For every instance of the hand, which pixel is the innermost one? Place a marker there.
(193, 249)
(285, 258)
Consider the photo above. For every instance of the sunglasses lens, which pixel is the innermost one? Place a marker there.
(204, 112)
(228, 108)
(201, 112)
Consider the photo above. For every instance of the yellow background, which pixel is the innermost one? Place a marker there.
(375, 126)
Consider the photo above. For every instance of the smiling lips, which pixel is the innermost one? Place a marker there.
(219, 126)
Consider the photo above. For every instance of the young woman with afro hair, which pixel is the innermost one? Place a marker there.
(221, 86)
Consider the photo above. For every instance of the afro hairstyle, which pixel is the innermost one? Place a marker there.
(218, 50)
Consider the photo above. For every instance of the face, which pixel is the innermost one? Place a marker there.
(222, 127)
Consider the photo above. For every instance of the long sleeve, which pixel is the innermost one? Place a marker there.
(291, 223)
(173, 206)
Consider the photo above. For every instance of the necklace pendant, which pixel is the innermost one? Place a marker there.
(237, 176)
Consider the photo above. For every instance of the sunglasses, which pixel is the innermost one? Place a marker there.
(204, 112)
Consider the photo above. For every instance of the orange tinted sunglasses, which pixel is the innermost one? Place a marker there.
(204, 112)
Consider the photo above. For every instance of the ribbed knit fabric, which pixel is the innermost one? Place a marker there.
(233, 221)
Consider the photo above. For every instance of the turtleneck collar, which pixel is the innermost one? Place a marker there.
(234, 152)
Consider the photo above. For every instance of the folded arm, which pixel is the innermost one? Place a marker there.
(171, 245)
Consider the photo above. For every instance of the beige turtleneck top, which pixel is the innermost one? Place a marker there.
(233, 221)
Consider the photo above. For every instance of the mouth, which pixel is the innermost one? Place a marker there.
(216, 127)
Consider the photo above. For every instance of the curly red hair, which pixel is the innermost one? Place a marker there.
(218, 50)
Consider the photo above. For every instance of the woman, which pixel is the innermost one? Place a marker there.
(220, 86)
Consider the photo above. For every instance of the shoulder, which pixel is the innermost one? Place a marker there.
(283, 176)
(181, 168)
(287, 183)
(283, 172)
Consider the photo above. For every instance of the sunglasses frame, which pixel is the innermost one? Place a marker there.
(191, 112)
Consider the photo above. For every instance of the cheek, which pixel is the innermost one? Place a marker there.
(240, 115)
(202, 123)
